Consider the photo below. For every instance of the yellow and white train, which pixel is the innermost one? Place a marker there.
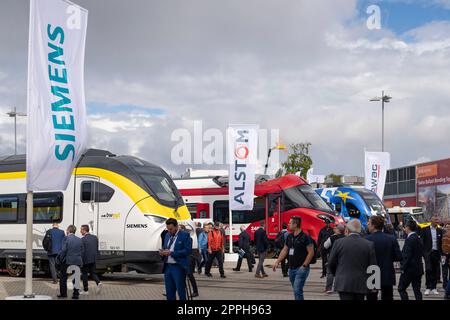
(124, 200)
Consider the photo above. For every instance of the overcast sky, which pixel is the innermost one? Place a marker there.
(305, 67)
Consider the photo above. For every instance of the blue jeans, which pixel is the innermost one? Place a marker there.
(298, 278)
(175, 281)
(205, 257)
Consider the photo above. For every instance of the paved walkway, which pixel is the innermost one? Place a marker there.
(237, 286)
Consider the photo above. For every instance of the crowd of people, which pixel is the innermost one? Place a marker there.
(348, 254)
(66, 249)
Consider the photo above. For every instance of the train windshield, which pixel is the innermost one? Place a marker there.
(418, 217)
(304, 197)
(160, 186)
(373, 202)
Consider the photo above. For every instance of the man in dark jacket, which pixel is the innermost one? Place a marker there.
(244, 245)
(432, 252)
(339, 232)
(176, 250)
(262, 245)
(71, 255)
(387, 251)
(56, 239)
(90, 248)
(324, 234)
(348, 262)
(412, 267)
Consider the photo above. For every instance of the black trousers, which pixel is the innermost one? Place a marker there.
(284, 266)
(406, 280)
(215, 255)
(445, 271)
(351, 296)
(87, 269)
(432, 266)
(193, 282)
(249, 257)
(323, 254)
(387, 294)
(63, 282)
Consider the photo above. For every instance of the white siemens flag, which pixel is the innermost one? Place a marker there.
(376, 166)
(242, 145)
(56, 131)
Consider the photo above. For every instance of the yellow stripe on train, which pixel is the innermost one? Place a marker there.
(146, 203)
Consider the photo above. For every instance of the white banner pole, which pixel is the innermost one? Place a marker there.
(230, 215)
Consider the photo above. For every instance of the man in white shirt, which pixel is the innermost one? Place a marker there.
(432, 252)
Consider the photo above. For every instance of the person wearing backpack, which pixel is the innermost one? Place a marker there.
(280, 241)
(52, 243)
(299, 249)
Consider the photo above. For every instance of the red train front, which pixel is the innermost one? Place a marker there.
(276, 201)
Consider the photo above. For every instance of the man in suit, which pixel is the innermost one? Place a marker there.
(387, 250)
(71, 254)
(324, 234)
(262, 245)
(432, 252)
(412, 267)
(90, 249)
(244, 244)
(348, 262)
(176, 250)
(57, 236)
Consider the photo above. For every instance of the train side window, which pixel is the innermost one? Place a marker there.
(105, 193)
(87, 191)
(9, 208)
(192, 208)
(203, 214)
(353, 212)
(95, 191)
(47, 207)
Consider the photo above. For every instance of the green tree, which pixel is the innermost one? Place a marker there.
(298, 159)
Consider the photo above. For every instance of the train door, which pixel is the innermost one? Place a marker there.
(86, 206)
(273, 215)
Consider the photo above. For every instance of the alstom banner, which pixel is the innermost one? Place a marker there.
(376, 166)
(242, 148)
(56, 131)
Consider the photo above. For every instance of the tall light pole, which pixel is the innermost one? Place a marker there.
(277, 147)
(14, 114)
(384, 98)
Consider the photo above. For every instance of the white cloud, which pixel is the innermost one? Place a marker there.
(298, 67)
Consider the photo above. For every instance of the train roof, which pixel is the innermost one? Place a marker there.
(94, 158)
(211, 188)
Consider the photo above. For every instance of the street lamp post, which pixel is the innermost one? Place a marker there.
(14, 114)
(384, 98)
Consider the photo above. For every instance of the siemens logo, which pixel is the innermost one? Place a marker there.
(62, 118)
(136, 226)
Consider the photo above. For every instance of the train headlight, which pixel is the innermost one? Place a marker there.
(156, 219)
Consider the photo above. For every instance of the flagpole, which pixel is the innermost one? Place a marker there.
(230, 215)
(29, 255)
(28, 294)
